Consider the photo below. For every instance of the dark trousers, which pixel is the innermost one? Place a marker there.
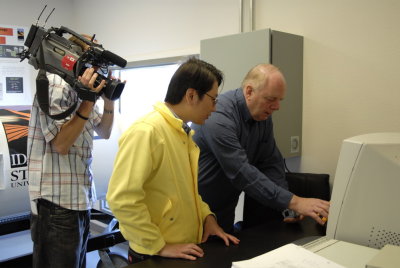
(226, 217)
(59, 236)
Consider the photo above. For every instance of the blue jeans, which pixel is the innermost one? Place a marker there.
(59, 236)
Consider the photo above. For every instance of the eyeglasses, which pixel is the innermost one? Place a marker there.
(215, 100)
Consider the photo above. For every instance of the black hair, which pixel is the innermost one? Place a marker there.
(196, 74)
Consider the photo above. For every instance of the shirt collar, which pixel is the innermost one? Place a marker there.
(243, 106)
(185, 126)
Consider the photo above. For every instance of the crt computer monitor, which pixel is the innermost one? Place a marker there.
(365, 203)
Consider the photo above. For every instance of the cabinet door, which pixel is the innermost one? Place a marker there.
(287, 55)
(236, 54)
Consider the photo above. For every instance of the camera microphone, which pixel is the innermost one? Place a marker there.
(108, 55)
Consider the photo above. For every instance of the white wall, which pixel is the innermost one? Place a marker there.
(138, 30)
(351, 69)
(25, 12)
(134, 29)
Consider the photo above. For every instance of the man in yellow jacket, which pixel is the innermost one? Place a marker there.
(153, 189)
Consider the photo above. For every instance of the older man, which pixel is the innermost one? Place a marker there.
(239, 153)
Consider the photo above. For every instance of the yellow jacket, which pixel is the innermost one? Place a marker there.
(153, 188)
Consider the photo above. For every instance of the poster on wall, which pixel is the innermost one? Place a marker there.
(14, 122)
(14, 183)
(15, 76)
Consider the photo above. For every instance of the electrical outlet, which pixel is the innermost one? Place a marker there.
(294, 144)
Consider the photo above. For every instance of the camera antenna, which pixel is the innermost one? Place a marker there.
(37, 21)
(48, 17)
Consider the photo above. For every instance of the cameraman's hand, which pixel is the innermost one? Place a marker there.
(88, 79)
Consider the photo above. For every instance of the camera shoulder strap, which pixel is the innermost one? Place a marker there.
(42, 92)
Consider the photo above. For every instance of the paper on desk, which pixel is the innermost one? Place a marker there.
(288, 256)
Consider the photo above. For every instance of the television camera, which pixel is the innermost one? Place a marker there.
(49, 51)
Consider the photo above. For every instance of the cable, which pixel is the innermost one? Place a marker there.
(286, 168)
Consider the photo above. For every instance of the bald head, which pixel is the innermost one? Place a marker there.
(263, 88)
(259, 75)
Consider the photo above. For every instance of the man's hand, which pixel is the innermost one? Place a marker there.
(211, 227)
(88, 78)
(184, 251)
(317, 209)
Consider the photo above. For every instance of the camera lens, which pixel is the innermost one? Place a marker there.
(113, 89)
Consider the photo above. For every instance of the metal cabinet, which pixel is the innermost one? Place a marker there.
(236, 54)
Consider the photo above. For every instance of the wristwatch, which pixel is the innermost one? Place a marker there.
(288, 213)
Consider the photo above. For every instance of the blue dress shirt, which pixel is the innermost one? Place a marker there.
(239, 154)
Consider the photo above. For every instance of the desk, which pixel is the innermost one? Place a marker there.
(253, 242)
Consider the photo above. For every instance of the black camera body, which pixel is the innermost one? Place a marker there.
(49, 50)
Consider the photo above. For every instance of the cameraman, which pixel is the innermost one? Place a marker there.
(61, 184)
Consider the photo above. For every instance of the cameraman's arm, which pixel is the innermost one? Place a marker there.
(104, 128)
(71, 130)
